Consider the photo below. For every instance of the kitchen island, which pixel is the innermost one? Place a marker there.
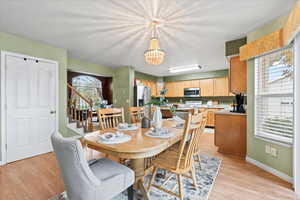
(231, 133)
(211, 109)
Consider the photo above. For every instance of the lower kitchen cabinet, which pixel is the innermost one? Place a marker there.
(211, 116)
(231, 133)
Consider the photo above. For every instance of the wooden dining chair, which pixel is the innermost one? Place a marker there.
(181, 162)
(136, 114)
(197, 147)
(110, 117)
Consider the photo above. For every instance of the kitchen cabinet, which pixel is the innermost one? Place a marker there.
(238, 75)
(170, 86)
(191, 84)
(206, 87)
(179, 87)
(211, 116)
(151, 84)
(231, 133)
(221, 87)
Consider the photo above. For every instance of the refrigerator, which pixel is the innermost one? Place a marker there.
(142, 95)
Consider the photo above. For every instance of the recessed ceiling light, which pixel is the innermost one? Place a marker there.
(184, 68)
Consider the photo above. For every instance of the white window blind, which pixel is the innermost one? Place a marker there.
(274, 96)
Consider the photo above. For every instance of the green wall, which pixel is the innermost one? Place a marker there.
(200, 75)
(256, 146)
(123, 84)
(142, 76)
(87, 67)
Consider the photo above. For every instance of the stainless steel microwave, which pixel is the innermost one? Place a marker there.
(191, 92)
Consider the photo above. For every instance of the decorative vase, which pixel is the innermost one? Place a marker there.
(157, 118)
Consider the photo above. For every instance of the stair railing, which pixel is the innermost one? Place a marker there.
(80, 110)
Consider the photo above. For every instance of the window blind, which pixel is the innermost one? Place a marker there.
(274, 95)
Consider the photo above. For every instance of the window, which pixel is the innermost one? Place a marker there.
(90, 88)
(274, 96)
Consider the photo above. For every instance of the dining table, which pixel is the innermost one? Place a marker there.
(139, 148)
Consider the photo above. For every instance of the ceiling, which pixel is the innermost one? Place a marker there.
(116, 33)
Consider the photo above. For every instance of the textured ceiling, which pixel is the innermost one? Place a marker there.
(116, 33)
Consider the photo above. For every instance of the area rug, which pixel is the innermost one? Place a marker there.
(205, 176)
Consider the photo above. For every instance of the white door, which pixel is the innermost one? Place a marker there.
(31, 104)
(296, 149)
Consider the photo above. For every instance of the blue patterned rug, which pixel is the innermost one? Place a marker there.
(205, 180)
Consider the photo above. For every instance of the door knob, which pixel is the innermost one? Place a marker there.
(52, 112)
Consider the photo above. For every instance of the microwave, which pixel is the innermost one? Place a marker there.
(191, 92)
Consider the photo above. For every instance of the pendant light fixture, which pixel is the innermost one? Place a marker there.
(154, 55)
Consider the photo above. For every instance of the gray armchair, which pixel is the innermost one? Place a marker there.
(101, 180)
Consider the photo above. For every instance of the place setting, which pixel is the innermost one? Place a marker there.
(113, 138)
(127, 127)
(159, 133)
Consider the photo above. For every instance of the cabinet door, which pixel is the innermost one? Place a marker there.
(221, 86)
(238, 75)
(153, 88)
(195, 83)
(210, 118)
(167, 86)
(207, 87)
(171, 89)
(180, 88)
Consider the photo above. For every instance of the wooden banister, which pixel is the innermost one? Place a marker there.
(83, 118)
(89, 102)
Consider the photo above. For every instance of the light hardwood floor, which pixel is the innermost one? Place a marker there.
(38, 178)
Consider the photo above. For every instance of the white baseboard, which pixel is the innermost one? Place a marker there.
(270, 170)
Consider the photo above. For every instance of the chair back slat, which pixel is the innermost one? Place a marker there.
(136, 114)
(110, 117)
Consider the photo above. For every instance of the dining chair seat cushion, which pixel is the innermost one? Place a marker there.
(114, 177)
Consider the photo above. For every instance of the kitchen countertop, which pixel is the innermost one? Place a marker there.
(226, 112)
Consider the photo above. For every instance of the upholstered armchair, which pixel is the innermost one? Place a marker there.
(103, 179)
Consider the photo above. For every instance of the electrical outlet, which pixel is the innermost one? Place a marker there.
(273, 152)
(268, 149)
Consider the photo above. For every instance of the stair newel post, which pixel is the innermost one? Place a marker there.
(90, 117)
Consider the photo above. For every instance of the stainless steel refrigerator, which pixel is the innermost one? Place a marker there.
(142, 95)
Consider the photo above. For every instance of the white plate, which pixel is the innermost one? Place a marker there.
(131, 128)
(164, 136)
(117, 140)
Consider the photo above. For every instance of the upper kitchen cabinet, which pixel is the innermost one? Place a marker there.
(238, 76)
(151, 84)
(221, 86)
(170, 86)
(206, 87)
(191, 84)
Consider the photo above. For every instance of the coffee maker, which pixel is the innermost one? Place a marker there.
(239, 106)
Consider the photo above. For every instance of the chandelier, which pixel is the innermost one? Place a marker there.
(154, 55)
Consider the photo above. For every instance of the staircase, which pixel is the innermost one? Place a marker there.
(80, 111)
